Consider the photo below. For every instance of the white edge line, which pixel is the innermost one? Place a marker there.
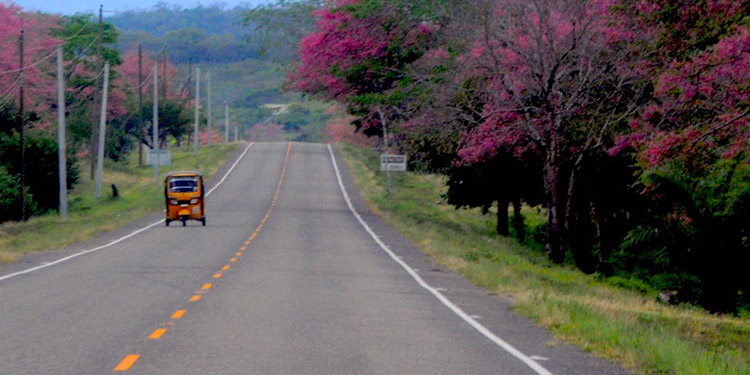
(539, 369)
(69, 257)
(230, 169)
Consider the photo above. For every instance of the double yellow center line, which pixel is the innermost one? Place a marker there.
(130, 359)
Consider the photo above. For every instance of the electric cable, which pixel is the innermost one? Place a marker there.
(29, 66)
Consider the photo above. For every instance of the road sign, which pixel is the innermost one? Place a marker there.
(164, 157)
(395, 163)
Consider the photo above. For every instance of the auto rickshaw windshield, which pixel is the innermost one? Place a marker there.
(183, 184)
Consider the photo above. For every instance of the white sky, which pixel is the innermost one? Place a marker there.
(91, 6)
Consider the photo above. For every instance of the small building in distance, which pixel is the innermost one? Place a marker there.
(276, 109)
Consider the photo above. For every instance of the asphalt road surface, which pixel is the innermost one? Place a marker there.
(284, 279)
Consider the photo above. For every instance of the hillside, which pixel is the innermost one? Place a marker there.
(230, 45)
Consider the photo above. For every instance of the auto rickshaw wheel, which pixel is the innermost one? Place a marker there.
(184, 221)
(203, 220)
(167, 221)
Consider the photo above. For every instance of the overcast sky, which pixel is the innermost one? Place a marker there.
(90, 6)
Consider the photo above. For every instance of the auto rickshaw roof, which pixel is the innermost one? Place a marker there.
(183, 173)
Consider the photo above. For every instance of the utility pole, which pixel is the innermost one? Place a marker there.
(156, 122)
(96, 95)
(385, 141)
(226, 123)
(197, 110)
(140, 105)
(208, 77)
(62, 159)
(235, 133)
(102, 133)
(164, 75)
(23, 125)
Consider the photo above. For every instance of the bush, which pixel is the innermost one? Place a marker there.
(10, 195)
(692, 235)
(41, 174)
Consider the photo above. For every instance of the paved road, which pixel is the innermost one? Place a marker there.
(283, 280)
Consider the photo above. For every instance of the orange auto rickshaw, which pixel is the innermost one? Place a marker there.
(185, 197)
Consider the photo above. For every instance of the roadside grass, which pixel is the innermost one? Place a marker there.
(87, 216)
(612, 318)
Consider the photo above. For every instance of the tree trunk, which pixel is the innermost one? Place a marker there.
(555, 211)
(576, 227)
(502, 217)
(605, 250)
(518, 224)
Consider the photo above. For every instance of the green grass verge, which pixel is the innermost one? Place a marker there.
(88, 216)
(596, 314)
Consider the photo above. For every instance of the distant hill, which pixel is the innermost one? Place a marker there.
(160, 19)
(216, 39)
(70, 7)
(200, 34)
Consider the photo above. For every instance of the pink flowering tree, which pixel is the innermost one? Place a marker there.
(39, 45)
(266, 132)
(558, 77)
(339, 129)
(702, 94)
(358, 55)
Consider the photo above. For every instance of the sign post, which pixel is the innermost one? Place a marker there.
(393, 162)
(159, 157)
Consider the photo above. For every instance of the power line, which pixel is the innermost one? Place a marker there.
(145, 80)
(29, 66)
(7, 99)
(47, 57)
(12, 84)
(94, 77)
(86, 49)
(79, 31)
(14, 54)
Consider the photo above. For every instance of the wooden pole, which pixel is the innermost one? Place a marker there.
(197, 110)
(140, 105)
(208, 77)
(156, 122)
(164, 75)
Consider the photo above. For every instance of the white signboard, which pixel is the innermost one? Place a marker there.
(163, 157)
(390, 162)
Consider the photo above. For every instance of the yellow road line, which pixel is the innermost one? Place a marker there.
(129, 360)
(157, 333)
(127, 363)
